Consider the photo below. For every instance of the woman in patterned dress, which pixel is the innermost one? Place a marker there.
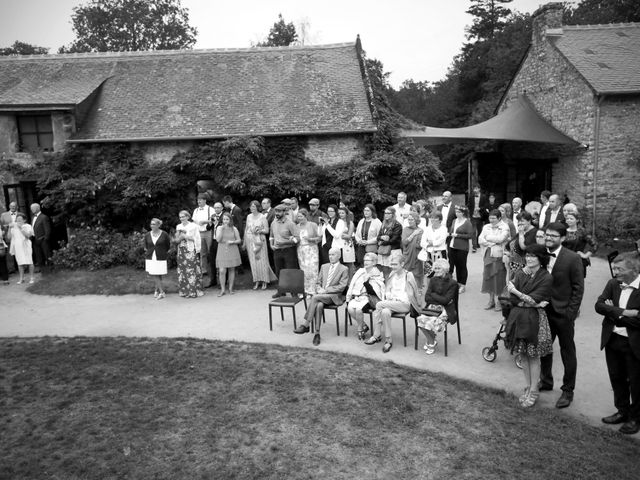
(527, 329)
(308, 257)
(189, 271)
(255, 242)
(411, 238)
(228, 255)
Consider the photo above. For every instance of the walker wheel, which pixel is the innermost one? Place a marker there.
(518, 361)
(489, 354)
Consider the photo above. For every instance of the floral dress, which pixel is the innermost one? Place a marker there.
(308, 257)
(188, 257)
(255, 242)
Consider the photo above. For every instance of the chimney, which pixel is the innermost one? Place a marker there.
(547, 21)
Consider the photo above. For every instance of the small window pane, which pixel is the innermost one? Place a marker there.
(44, 124)
(46, 141)
(27, 124)
(29, 142)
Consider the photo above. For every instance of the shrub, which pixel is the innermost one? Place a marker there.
(96, 248)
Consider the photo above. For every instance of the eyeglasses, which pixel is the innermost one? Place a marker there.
(387, 213)
(552, 235)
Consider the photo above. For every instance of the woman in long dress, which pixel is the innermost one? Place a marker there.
(255, 242)
(366, 233)
(156, 251)
(328, 225)
(389, 239)
(188, 257)
(357, 295)
(493, 239)
(21, 234)
(527, 329)
(308, 256)
(411, 237)
(228, 255)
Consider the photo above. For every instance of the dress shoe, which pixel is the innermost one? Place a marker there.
(544, 387)
(302, 329)
(565, 400)
(631, 427)
(316, 339)
(277, 295)
(372, 340)
(615, 419)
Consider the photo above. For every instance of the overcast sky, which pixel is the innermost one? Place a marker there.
(414, 39)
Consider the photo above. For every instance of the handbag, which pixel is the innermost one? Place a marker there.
(384, 250)
(348, 253)
(423, 255)
(373, 297)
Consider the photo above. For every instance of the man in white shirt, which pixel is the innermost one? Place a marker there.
(403, 209)
(620, 339)
(554, 211)
(202, 217)
(294, 209)
(544, 201)
(447, 209)
(516, 205)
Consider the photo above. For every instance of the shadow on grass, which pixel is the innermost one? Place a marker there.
(185, 408)
(120, 280)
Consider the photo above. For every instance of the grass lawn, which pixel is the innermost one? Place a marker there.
(120, 280)
(139, 408)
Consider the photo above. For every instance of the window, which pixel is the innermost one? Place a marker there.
(36, 133)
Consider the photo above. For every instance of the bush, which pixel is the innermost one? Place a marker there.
(96, 248)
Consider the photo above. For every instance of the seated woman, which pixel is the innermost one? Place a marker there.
(400, 293)
(357, 296)
(440, 296)
(527, 329)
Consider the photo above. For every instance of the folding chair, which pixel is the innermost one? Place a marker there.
(290, 281)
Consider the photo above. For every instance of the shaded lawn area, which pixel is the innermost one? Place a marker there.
(121, 280)
(141, 408)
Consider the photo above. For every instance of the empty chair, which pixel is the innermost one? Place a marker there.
(291, 281)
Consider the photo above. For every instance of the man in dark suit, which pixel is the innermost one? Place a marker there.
(270, 214)
(216, 218)
(331, 285)
(553, 212)
(620, 339)
(41, 225)
(448, 209)
(235, 212)
(478, 213)
(568, 287)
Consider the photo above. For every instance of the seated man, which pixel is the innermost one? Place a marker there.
(332, 281)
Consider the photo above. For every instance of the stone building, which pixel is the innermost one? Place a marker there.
(162, 102)
(569, 122)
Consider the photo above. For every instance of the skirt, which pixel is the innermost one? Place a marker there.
(155, 267)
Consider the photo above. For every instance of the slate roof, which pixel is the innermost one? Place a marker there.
(198, 93)
(607, 56)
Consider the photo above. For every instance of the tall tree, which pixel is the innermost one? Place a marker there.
(130, 25)
(282, 34)
(490, 16)
(21, 48)
(593, 12)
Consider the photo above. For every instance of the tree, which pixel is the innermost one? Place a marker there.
(281, 34)
(593, 12)
(21, 48)
(130, 25)
(490, 18)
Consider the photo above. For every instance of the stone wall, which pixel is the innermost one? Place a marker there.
(328, 150)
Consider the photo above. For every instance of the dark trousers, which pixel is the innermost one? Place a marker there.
(213, 271)
(458, 260)
(477, 224)
(4, 270)
(41, 252)
(562, 328)
(624, 374)
(285, 258)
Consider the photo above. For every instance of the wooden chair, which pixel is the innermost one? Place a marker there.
(290, 281)
(446, 327)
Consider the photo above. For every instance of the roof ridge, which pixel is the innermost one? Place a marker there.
(601, 26)
(151, 53)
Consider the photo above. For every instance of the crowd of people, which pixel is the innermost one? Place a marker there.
(412, 261)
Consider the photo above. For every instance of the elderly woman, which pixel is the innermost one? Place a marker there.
(228, 255)
(389, 239)
(189, 271)
(526, 236)
(400, 293)
(460, 233)
(255, 243)
(156, 251)
(411, 237)
(366, 233)
(20, 247)
(568, 208)
(308, 257)
(578, 240)
(527, 329)
(434, 238)
(493, 239)
(439, 300)
(357, 295)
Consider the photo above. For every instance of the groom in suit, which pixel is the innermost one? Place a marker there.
(620, 339)
(332, 282)
(41, 225)
(566, 269)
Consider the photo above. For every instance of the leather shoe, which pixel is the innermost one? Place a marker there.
(316, 339)
(565, 400)
(615, 419)
(386, 347)
(277, 295)
(631, 427)
(302, 329)
(372, 340)
(544, 387)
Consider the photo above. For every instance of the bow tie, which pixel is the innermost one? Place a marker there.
(551, 254)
